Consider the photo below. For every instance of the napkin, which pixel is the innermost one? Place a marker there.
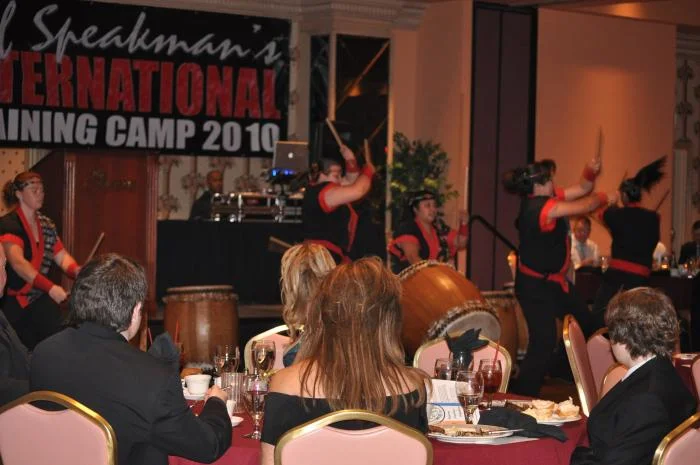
(466, 343)
(510, 419)
(164, 349)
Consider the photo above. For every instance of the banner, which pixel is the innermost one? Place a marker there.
(97, 75)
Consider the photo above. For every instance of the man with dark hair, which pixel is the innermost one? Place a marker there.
(691, 249)
(584, 252)
(628, 423)
(139, 395)
(201, 208)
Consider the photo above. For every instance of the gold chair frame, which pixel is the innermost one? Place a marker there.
(574, 367)
(72, 404)
(662, 449)
(505, 380)
(351, 414)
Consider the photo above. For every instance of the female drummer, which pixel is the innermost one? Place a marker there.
(31, 244)
(327, 213)
(635, 234)
(425, 236)
(540, 284)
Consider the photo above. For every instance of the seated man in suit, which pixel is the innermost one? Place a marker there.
(201, 208)
(139, 395)
(691, 249)
(633, 417)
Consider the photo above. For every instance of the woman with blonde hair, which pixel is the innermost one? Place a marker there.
(303, 268)
(351, 358)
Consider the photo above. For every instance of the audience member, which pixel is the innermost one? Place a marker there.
(584, 252)
(351, 357)
(303, 268)
(201, 208)
(139, 395)
(628, 423)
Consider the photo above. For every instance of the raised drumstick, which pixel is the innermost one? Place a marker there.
(99, 240)
(338, 140)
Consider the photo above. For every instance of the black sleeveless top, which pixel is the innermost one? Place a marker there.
(544, 244)
(284, 412)
(635, 233)
(322, 223)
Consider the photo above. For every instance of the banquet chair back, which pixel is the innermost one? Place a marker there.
(75, 435)
(576, 352)
(319, 443)
(613, 376)
(275, 334)
(696, 376)
(600, 355)
(681, 446)
(429, 352)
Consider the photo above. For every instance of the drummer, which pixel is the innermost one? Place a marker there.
(425, 236)
(327, 213)
(541, 286)
(31, 244)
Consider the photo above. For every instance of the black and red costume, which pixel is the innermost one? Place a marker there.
(437, 242)
(29, 309)
(541, 286)
(635, 233)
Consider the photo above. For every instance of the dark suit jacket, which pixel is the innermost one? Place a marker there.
(14, 364)
(688, 251)
(137, 394)
(201, 208)
(631, 420)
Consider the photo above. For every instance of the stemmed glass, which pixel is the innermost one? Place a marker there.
(254, 392)
(227, 358)
(264, 356)
(492, 373)
(470, 389)
(443, 368)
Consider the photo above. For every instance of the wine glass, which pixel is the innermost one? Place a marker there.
(443, 368)
(254, 391)
(227, 358)
(492, 373)
(470, 389)
(264, 356)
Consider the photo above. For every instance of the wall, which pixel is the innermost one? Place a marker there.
(618, 74)
(667, 11)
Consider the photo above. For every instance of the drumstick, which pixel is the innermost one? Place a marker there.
(277, 245)
(338, 140)
(599, 152)
(668, 191)
(99, 240)
(366, 145)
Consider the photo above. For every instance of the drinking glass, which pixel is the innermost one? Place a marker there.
(255, 390)
(470, 389)
(443, 368)
(492, 373)
(227, 358)
(264, 356)
(604, 262)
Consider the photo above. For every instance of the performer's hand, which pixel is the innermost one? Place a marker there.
(613, 197)
(346, 152)
(58, 294)
(595, 165)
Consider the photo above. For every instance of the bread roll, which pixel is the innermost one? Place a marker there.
(190, 371)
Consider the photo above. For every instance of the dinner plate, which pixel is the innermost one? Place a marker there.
(556, 420)
(686, 356)
(491, 433)
(235, 421)
(189, 396)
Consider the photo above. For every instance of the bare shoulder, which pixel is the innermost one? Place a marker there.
(286, 381)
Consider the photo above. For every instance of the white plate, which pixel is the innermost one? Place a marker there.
(556, 420)
(235, 421)
(189, 396)
(495, 434)
(685, 356)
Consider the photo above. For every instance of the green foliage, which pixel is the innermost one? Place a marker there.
(417, 165)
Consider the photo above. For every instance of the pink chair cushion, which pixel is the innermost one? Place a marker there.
(578, 358)
(379, 445)
(427, 357)
(600, 356)
(684, 450)
(613, 377)
(696, 376)
(29, 435)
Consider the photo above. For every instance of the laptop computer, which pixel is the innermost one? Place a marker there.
(290, 158)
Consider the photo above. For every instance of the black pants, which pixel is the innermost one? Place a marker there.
(614, 281)
(34, 323)
(543, 302)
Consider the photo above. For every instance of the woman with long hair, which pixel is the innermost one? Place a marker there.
(351, 358)
(541, 286)
(31, 245)
(303, 268)
(424, 235)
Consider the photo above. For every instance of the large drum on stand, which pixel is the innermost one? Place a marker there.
(204, 316)
(438, 300)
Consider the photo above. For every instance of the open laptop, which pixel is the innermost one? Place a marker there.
(290, 158)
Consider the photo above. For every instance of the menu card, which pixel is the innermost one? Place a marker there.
(442, 403)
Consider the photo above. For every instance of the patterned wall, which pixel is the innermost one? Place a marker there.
(11, 164)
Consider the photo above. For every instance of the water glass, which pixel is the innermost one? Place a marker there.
(233, 384)
(492, 374)
(263, 353)
(255, 390)
(469, 386)
(227, 358)
(443, 368)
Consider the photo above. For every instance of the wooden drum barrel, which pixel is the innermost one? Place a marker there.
(206, 315)
(437, 300)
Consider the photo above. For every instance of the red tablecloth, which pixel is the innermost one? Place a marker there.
(541, 451)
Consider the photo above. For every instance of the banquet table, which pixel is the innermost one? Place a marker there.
(544, 451)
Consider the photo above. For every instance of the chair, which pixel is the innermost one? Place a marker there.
(74, 436)
(318, 443)
(281, 342)
(613, 376)
(696, 376)
(430, 351)
(600, 355)
(681, 446)
(576, 352)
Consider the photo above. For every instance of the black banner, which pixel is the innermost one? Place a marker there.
(84, 75)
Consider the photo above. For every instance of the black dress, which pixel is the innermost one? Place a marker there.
(284, 412)
(438, 243)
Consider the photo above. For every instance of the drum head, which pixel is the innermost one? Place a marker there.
(471, 315)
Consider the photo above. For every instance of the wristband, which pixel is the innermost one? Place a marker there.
(72, 270)
(588, 174)
(602, 198)
(463, 230)
(42, 283)
(351, 166)
(368, 171)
